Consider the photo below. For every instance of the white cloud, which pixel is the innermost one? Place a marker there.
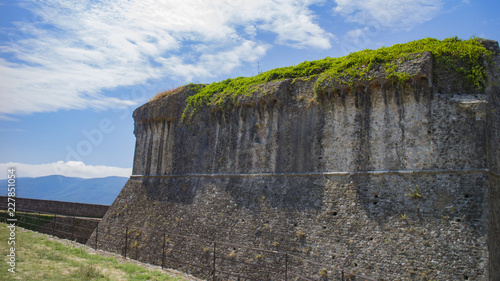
(68, 169)
(6, 118)
(355, 34)
(400, 14)
(72, 50)
(376, 16)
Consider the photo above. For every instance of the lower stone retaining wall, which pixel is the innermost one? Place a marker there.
(71, 228)
(425, 226)
(494, 229)
(68, 220)
(57, 207)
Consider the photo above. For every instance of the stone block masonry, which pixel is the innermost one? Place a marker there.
(57, 207)
(395, 181)
(493, 159)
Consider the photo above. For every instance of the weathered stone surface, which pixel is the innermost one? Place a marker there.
(493, 159)
(57, 207)
(283, 161)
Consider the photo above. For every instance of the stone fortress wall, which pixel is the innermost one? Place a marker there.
(393, 181)
(57, 207)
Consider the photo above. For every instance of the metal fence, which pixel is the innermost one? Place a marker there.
(78, 229)
(208, 259)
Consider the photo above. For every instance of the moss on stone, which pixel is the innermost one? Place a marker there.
(461, 58)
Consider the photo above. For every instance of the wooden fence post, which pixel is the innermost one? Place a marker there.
(214, 260)
(126, 241)
(286, 266)
(54, 225)
(73, 229)
(163, 250)
(38, 221)
(96, 236)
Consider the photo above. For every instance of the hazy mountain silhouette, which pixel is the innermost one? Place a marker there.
(94, 191)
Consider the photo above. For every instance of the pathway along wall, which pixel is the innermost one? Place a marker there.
(282, 171)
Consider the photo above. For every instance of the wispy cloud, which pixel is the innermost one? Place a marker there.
(6, 118)
(401, 14)
(376, 16)
(69, 169)
(3, 130)
(72, 50)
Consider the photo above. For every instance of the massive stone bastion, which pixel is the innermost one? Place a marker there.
(395, 179)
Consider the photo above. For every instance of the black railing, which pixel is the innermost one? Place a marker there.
(213, 260)
(68, 227)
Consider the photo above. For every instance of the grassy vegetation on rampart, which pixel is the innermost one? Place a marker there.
(464, 58)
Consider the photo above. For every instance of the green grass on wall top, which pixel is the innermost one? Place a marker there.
(464, 58)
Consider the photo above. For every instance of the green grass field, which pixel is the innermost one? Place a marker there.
(39, 258)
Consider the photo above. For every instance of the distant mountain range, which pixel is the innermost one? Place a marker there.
(101, 191)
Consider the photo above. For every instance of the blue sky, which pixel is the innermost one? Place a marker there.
(72, 72)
